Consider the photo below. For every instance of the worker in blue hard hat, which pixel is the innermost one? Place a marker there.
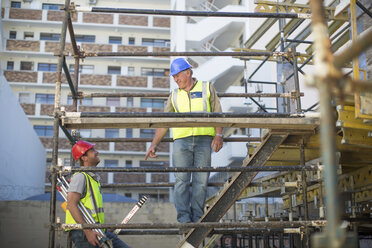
(192, 146)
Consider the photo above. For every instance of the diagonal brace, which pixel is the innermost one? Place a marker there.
(231, 193)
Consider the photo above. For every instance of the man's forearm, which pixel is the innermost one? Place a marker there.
(159, 134)
(76, 214)
(219, 130)
(73, 200)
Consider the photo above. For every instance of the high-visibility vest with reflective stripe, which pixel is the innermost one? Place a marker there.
(88, 202)
(197, 102)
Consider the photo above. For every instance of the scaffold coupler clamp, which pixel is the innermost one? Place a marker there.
(295, 94)
(280, 54)
(72, 8)
(59, 167)
(299, 184)
(66, 169)
(58, 227)
(62, 115)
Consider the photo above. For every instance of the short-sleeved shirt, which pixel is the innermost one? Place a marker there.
(213, 100)
(78, 183)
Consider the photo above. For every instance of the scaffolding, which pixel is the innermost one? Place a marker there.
(305, 180)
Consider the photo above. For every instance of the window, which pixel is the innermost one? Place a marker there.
(45, 98)
(24, 97)
(153, 164)
(155, 42)
(129, 133)
(10, 65)
(147, 133)
(14, 4)
(12, 35)
(128, 163)
(153, 72)
(85, 69)
(111, 163)
(85, 38)
(66, 162)
(130, 71)
(49, 162)
(27, 66)
(85, 133)
(84, 101)
(129, 195)
(113, 101)
(131, 40)
(114, 39)
(46, 131)
(130, 102)
(49, 36)
(152, 103)
(28, 35)
(112, 133)
(114, 70)
(49, 6)
(46, 67)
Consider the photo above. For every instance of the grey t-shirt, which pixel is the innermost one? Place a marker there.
(78, 183)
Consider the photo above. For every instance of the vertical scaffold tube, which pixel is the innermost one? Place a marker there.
(52, 213)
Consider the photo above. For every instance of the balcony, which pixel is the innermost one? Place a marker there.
(43, 78)
(104, 19)
(42, 46)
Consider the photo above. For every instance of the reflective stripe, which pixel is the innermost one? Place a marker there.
(205, 95)
(92, 211)
(175, 96)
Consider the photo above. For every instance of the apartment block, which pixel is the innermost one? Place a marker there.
(31, 31)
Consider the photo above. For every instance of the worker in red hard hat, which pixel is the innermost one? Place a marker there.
(86, 188)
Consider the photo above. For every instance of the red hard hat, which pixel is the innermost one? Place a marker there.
(80, 148)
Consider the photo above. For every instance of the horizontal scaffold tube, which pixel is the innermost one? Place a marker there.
(234, 139)
(180, 115)
(274, 224)
(179, 54)
(134, 94)
(210, 184)
(194, 13)
(196, 169)
(215, 231)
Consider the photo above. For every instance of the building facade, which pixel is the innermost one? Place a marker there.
(31, 32)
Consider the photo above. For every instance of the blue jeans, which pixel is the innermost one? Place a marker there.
(193, 151)
(80, 241)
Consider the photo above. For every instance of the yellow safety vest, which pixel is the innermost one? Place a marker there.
(197, 101)
(89, 202)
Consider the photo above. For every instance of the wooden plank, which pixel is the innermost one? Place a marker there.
(272, 123)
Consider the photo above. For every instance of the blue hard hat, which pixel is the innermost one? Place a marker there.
(179, 65)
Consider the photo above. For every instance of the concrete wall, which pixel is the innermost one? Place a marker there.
(29, 220)
(23, 157)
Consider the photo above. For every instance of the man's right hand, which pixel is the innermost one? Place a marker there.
(92, 237)
(151, 152)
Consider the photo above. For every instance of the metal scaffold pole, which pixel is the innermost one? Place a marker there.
(194, 13)
(52, 214)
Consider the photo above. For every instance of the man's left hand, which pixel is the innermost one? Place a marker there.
(217, 143)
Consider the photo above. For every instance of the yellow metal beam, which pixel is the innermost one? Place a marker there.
(359, 181)
(347, 119)
(287, 7)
